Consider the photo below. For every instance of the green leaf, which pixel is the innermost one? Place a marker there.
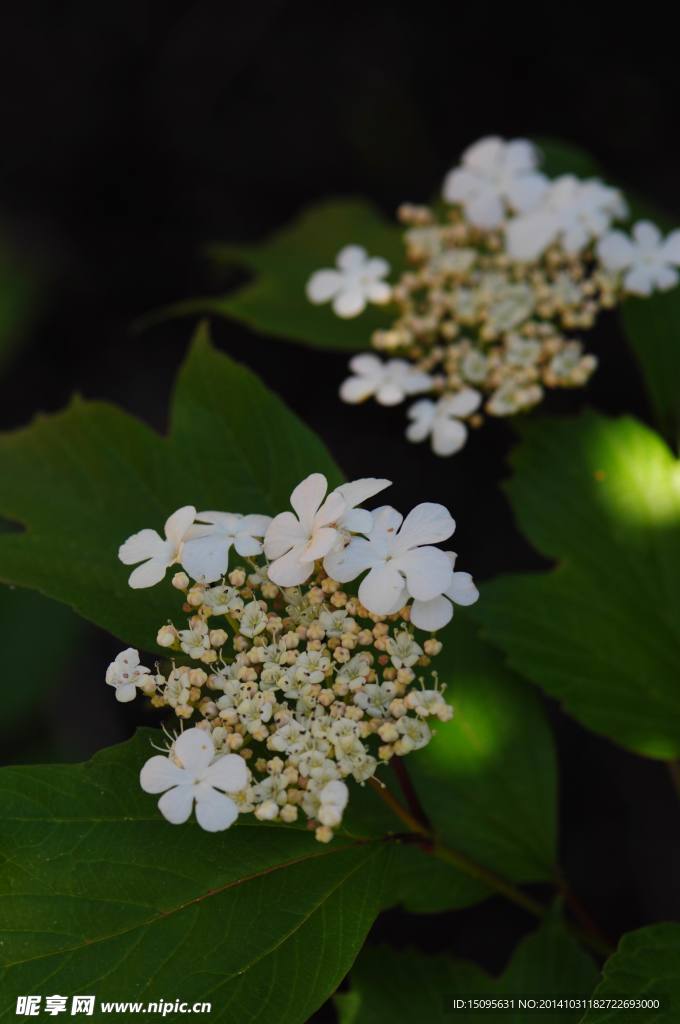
(562, 157)
(101, 895)
(646, 965)
(487, 782)
(602, 631)
(390, 985)
(274, 302)
(83, 480)
(25, 616)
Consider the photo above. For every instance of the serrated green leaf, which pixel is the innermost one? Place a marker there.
(390, 985)
(646, 965)
(274, 302)
(602, 631)
(487, 782)
(101, 895)
(83, 480)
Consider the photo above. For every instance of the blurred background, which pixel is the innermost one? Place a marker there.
(133, 133)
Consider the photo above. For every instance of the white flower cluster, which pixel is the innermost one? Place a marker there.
(495, 288)
(294, 683)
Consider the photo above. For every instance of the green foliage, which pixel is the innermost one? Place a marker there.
(389, 985)
(646, 965)
(602, 631)
(101, 895)
(274, 302)
(23, 615)
(487, 782)
(81, 481)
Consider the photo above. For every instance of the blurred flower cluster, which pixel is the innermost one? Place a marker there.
(292, 681)
(500, 279)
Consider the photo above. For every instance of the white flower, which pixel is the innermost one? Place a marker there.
(572, 212)
(390, 381)
(126, 674)
(195, 641)
(435, 614)
(441, 421)
(253, 620)
(333, 797)
(192, 773)
(205, 554)
(295, 543)
(648, 259)
(156, 554)
(357, 280)
(400, 558)
(494, 175)
(403, 650)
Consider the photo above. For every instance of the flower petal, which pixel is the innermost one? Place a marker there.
(671, 248)
(148, 574)
(356, 389)
(448, 436)
(206, 558)
(647, 235)
(463, 403)
(176, 804)
(428, 572)
(254, 524)
(431, 615)
(194, 749)
(229, 773)
(357, 491)
(347, 563)
(378, 292)
(159, 773)
(486, 209)
(356, 520)
(178, 524)
(349, 302)
(321, 542)
(462, 590)
(665, 278)
(215, 812)
(246, 545)
(380, 589)
(639, 281)
(367, 365)
(283, 533)
(323, 285)
(390, 393)
(427, 523)
(331, 510)
(126, 693)
(307, 497)
(351, 257)
(140, 546)
(289, 570)
(615, 251)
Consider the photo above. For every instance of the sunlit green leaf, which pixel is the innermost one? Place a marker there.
(602, 631)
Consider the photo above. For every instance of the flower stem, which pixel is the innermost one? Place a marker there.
(409, 791)
(430, 844)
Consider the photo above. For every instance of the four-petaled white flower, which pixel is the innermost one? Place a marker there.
(156, 554)
(399, 556)
(648, 259)
(572, 212)
(357, 280)
(192, 774)
(126, 674)
(495, 175)
(205, 554)
(295, 542)
(435, 614)
(390, 381)
(441, 420)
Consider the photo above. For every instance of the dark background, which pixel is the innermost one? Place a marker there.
(133, 133)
